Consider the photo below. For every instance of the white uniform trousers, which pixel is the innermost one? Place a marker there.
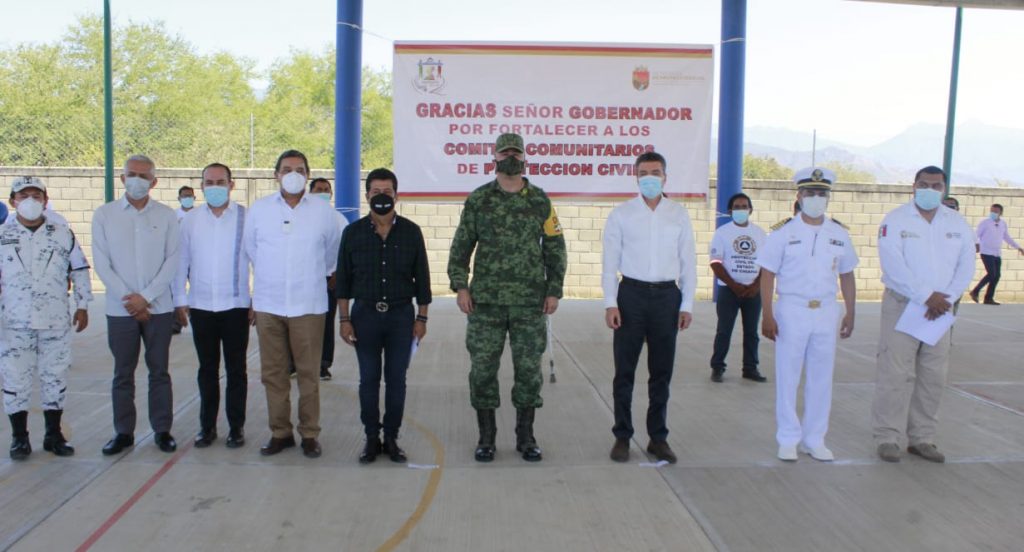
(28, 351)
(807, 337)
(909, 382)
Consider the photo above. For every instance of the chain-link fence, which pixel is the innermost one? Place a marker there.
(180, 107)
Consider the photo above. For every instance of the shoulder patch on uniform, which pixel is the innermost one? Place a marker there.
(781, 223)
(552, 227)
(839, 223)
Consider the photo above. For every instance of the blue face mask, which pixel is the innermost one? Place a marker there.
(740, 216)
(216, 196)
(324, 196)
(650, 186)
(927, 199)
(993, 216)
(187, 202)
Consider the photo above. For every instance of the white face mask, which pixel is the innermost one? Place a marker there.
(137, 187)
(814, 206)
(30, 208)
(293, 183)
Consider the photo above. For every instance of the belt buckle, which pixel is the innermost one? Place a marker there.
(813, 303)
(382, 306)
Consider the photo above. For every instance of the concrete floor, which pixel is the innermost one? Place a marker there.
(728, 492)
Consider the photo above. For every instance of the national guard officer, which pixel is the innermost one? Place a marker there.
(518, 273)
(806, 255)
(35, 263)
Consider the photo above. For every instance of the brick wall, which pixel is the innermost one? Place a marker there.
(75, 193)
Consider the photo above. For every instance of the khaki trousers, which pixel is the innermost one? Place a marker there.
(909, 382)
(281, 339)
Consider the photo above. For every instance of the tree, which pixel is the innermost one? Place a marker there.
(764, 168)
(848, 173)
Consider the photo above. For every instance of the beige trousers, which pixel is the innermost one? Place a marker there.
(281, 340)
(909, 382)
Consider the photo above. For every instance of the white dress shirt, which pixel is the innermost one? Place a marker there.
(213, 260)
(807, 260)
(919, 258)
(293, 251)
(650, 246)
(136, 252)
(736, 247)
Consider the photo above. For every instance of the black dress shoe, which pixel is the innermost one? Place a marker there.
(393, 451)
(754, 376)
(58, 445)
(311, 448)
(275, 445)
(20, 448)
(206, 438)
(716, 375)
(118, 443)
(661, 451)
(165, 441)
(992, 302)
(236, 439)
(371, 450)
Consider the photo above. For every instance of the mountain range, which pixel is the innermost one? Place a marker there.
(983, 155)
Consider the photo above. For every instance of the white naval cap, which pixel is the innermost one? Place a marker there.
(814, 177)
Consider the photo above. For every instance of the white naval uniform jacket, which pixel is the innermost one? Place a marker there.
(34, 271)
(807, 260)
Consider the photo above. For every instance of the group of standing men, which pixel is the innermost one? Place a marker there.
(306, 262)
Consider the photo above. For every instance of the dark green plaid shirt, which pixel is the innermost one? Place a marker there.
(371, 269)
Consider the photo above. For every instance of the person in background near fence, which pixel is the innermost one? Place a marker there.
(518, 273)
(927, 257)
(734, 249)
(135, 253)
(321, 188)
(649, 240)
(36, 261)
(807, 255)
(383, 266)
(214, 264)
(292, 240)
(187, 200)
(992, 232)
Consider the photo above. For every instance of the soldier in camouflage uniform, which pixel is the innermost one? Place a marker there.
(518, 273)
(35, 263)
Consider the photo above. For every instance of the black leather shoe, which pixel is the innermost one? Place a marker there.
(236, 439)
(311, 448)
(118, 443)
(754, 376)
(165, 441)
(275, 445)
(206, 438)
(716, 375)
(661, 451)
(394, 452)
(992, 302)
(54, 440)
(620, 451)
(20, 448)
(371, 450)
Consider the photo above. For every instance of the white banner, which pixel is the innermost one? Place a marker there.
(585, 112)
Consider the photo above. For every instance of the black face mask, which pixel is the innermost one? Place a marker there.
(382, 204)
(510, 166)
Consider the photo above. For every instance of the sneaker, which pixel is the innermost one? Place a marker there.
(325, 374)
(889, 452)
(821, 453)
(787, 453)
(927, 451)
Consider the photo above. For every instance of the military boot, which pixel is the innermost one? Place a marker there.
(488, 430)
(525, 442)
(54, 440)
(20, 447)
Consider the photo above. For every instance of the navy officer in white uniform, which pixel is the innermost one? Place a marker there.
(803, 261)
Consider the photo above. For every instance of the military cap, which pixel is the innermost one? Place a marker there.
(22, 182)
(509, 141)
(814, 177)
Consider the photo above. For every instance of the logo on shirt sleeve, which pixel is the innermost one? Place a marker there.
(552, 227)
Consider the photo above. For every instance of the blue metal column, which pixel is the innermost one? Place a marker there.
(730, 106)
(108, 110)
(954, 77)
(348, 107)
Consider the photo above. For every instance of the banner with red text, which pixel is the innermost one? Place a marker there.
(585, 112)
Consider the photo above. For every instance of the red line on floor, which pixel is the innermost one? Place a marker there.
(132, 500)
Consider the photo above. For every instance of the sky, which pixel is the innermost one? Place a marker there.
(857, 72)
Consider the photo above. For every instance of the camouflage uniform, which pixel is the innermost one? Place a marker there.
(520, 260)
(34, 271)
